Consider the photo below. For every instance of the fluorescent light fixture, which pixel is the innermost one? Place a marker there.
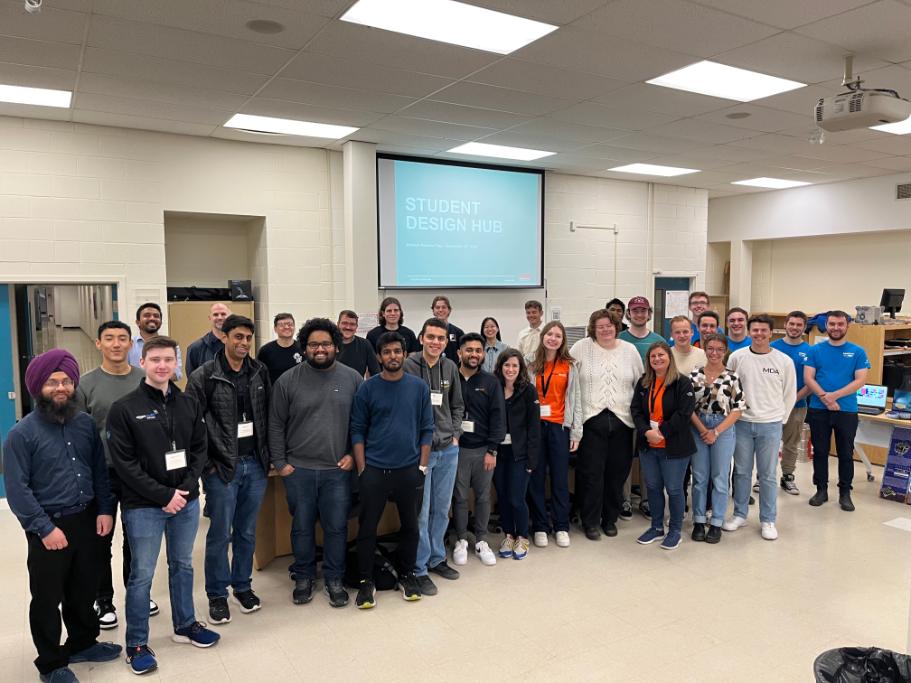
(41, 97)
(653, 169)
(771, 183)
(268, 124)
(500, 151)
(897, 128)
(449, 22)
(728, 82)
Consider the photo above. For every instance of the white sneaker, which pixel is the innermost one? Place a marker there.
(562, 539)
(541, 539)
(769, 532)
(734, 523)
(460, 552)
(483, 551)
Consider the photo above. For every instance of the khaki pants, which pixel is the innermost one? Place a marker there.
(790, 438)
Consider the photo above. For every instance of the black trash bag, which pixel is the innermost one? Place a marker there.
(862, 665)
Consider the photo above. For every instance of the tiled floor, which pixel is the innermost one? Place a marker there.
(743, 610)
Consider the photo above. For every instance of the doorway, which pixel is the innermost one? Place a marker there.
(662, 316)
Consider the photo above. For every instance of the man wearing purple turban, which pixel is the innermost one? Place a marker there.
(57, 486)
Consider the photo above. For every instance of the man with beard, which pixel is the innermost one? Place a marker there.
(233, 392)
(391, 435)
(834, 371)
(798, 350)
(483, 428)
(148, 320)
(206, 347)
(310, 448)
(97, 390)
(57, 486)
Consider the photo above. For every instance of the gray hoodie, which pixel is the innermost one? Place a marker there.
(444, 378)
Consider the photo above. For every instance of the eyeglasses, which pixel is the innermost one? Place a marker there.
(289, 323)
(313, 346)
(54, 383)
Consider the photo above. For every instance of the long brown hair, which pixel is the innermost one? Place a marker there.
(672, 373)
(536, 366)
(522, 379)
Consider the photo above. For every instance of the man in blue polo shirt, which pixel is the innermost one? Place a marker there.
(794, 346)
(834, 371)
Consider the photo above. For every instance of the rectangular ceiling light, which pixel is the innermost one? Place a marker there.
(450, 22)
(500, 151)
(267, 124)
(653, 169)
(728, 82)
(41, 97)
(897, 128)
(771, 183)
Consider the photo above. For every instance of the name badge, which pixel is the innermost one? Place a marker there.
(468, 426)
(175, 460)
(507, 441)
(654, 424)
(436, 398)
(452, 338)
(244, 429)
(545, 410)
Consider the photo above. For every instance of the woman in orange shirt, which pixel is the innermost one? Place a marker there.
(553, 373)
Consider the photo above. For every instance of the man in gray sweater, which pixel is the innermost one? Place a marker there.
(311, 450)
(442, 376)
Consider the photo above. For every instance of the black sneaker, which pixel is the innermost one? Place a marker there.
(303, 591)
(338, 596)
(107, 614)
(592, 533)
(444, 570)
(609, 529)
(366, 595)
(426, 585)
(248, 601)
(645, 510)
(626, 511)
(820, 497)
(410, 587)
(844, 501)
(219, 612)
(714, 535)
(698, 531)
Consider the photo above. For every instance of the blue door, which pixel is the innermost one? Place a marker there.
(7, 386)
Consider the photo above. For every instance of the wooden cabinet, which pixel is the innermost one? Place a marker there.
(873, 339)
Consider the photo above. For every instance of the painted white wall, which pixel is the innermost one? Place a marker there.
(206, 251)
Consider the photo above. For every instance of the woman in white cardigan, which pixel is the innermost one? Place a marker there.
(608, 369)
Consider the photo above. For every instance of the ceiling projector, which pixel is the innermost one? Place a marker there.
(860, 109)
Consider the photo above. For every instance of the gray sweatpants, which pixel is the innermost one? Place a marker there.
(472, 476)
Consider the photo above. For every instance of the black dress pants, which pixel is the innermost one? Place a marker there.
(605, 458)
(105, 556)
(64, 579)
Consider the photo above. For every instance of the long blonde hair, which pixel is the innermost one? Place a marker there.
(648, 379)
(536, 366)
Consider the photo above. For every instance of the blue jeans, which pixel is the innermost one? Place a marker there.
(554, 456)
(712, 462)
(664, 474)
(325, 494)
(434, 517)
(757, 442)
(145, 526)
(233, 508)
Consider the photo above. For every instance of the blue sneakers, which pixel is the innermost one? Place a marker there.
(650, 536)
(671, 541)
(196, 634)
(99, 652)
(141, 660)
(61, 675)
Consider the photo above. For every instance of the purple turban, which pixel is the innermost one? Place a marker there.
(46, 364)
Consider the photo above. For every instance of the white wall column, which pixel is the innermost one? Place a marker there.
(741, 273)
(359, 171)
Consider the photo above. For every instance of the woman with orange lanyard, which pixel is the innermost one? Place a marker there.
(662, 406)
(553, 373)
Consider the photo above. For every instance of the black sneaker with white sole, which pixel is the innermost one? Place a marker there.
(410, 587)
(366, 595)
(107, 614)
(219, 612)
(247, 600)
(626, 511)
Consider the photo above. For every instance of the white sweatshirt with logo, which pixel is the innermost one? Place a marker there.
(769, 384)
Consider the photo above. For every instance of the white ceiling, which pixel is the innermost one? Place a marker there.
(186, 66)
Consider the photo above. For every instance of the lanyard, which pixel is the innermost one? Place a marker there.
(655, 394)
(546, 386)
(430, 374)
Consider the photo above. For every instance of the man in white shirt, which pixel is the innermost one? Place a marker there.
(530, 337)
(770, 386)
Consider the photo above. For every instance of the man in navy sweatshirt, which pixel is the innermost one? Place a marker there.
(391, 435)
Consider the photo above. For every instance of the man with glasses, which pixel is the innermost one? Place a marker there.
(283, 353)
(355, 352)
(310, 448)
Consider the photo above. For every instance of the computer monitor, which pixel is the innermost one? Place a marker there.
(901, 400)
(872, 396)
(891, 301)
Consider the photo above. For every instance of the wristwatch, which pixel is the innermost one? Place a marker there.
(423, 469)
(493, 452)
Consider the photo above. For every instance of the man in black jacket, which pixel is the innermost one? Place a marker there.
(233, 391)
(483, 428)
(157, 439)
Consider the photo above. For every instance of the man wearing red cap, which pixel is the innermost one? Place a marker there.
(57, 486)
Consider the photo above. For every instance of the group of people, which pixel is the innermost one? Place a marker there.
(424, 419)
